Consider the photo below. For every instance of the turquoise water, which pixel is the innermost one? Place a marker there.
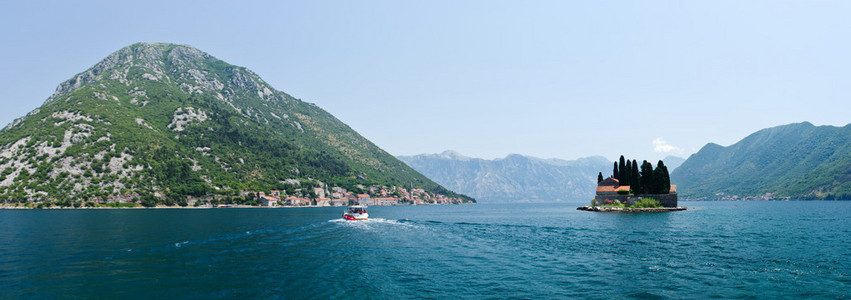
(544, 251)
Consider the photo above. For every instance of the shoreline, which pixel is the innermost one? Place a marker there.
(11, 207)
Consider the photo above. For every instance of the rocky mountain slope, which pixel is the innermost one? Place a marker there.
(170, 120)
(796, 160)
(515, 178)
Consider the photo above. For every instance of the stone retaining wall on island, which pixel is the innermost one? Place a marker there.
(629, 210)
(667, 200)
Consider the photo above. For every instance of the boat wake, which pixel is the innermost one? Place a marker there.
(372, 223)
(372, 220)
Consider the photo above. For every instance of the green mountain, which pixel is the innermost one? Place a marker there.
(169, 120)
(796, 160)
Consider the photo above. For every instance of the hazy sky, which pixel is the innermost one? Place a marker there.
(563, 79)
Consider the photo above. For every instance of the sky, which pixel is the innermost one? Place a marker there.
(551, 79)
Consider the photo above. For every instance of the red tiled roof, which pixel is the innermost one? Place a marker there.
(609, 182)
(612, 189)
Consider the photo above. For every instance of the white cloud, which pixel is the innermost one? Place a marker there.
(662, 146)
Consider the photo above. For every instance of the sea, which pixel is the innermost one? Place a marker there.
(775, 250)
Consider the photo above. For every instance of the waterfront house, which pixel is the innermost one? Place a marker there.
(323, 202)
(292, 201)
(363, 199)
(385, 201)
(270, 201)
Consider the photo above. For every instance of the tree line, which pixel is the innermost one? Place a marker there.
(641, 179)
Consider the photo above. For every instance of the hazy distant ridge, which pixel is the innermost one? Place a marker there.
(515, 178)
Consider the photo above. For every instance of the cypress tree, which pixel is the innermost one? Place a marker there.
(647, 180)
(636, 177)
(622, 168)
(664, 178)
(659, 178)
(615, 171)
(599, 177)
(633, 178)
(627, 177)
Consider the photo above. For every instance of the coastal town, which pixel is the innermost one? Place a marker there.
(375, 195)
(333, 196)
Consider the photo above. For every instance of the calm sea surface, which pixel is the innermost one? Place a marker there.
(544, 251)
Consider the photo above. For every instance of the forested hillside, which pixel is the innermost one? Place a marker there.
(796, 160)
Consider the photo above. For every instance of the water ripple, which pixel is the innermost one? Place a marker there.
(758, 250)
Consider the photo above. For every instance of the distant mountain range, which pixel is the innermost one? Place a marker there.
(673, 162)
(166, 121)
(800, 161)
(515, 178)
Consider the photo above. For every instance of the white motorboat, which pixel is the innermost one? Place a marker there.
(355, 212)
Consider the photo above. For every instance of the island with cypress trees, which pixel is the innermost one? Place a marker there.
(635, 188)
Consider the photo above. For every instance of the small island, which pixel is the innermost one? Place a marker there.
(634, 188)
